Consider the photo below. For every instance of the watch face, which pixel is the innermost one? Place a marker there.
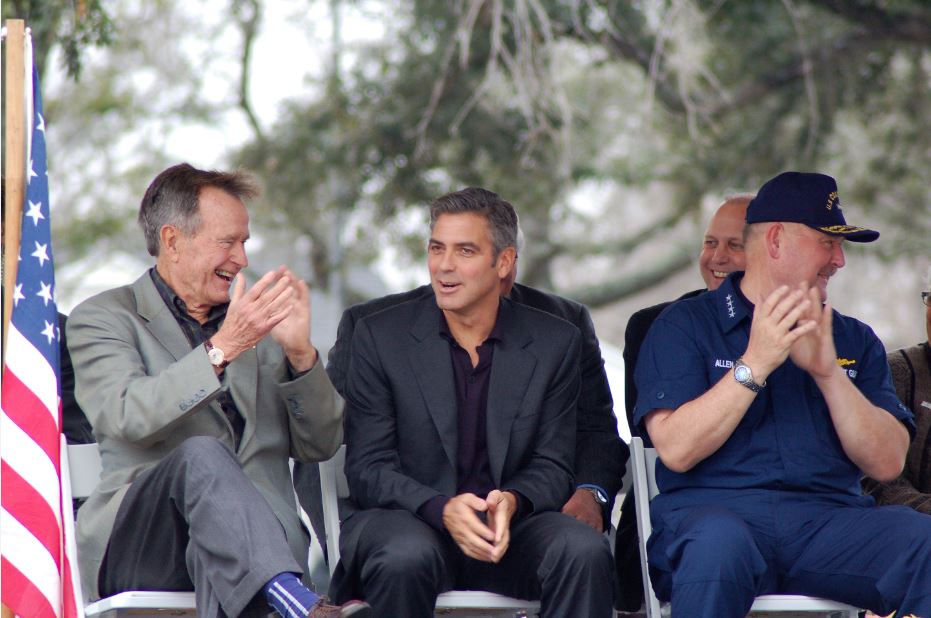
(216, 356)
(742, 373)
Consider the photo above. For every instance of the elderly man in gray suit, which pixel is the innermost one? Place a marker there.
(198, 391)
(460, 435)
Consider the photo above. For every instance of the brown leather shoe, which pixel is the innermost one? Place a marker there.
(356, 609)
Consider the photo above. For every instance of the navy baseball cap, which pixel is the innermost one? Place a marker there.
(807, 198)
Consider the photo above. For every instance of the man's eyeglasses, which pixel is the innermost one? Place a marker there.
(926, 298)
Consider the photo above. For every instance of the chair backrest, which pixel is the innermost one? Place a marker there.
(84, 467)
(643, 465)
(333, 486)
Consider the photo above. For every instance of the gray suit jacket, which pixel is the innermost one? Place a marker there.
(145, 391)
(401, 410)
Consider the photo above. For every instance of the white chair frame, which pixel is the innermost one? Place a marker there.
(643, 462)
(333, 486)
(83, 463)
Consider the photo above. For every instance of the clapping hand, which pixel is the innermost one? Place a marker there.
(778, 322)
(815, 352)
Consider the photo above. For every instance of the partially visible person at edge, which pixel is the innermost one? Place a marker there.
(766, 407)
(911, 375)
(199, 390)
(722, 252)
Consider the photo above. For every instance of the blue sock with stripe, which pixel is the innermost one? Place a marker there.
(289, 596)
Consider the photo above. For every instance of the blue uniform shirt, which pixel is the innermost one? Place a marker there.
(786, 440)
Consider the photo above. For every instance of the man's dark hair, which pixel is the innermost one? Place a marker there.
(501, 216)
(172, 199)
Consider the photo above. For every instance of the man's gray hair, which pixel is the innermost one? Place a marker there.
(501, 216)
(172, 199)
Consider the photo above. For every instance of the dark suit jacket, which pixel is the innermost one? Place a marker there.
(637, 327)
(401, 411)
(600, 454)
(74, 423)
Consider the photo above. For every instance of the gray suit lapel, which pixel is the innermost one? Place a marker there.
(511, 371)
(163, 326)
(160, 321)
(243, 378)
(429, 357)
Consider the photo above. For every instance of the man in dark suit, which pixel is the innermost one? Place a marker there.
(600, 454)
(722, 253)
(460, 437)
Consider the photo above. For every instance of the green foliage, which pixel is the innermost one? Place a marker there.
(75, 25)
(662, 105)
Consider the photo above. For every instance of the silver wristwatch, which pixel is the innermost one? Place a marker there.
(215, 355)
(744, 375)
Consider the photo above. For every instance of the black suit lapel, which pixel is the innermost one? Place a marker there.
(430, 359)
(511, 371)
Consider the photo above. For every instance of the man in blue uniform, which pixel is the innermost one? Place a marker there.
(766, 407)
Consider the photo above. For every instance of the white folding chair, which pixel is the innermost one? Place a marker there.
(463, 603)
(84, 471)
(643, 462)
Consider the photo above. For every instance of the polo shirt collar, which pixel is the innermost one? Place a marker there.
(493, 337)
(731, 306)
(178, 307)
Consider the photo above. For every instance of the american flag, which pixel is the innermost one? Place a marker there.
(35, 570)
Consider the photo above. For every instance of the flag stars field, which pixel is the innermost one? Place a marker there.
(49, 331)
(45, 292)
(41, 253)
(35, 212)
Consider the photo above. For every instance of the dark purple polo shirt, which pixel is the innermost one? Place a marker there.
(473, 472)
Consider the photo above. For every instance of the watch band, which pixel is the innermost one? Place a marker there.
(744, 375)
(599, 495)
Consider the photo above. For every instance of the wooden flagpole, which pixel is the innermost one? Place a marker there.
(14, 172)
(15, 168)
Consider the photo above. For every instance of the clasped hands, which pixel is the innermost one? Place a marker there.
(792, 324)
(278, 303)
(477, 539)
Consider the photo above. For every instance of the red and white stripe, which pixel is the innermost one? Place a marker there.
(37, 579)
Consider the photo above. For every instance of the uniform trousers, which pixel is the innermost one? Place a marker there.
(712, 559)
(401, 564)
(196, 522)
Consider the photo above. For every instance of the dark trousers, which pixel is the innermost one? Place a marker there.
(713, 560)
(628, 591)
(401, 564)
(196, 522)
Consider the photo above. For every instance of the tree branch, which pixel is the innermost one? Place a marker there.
(248, 26)
(657, 271)
(619, 246)
(914, 26)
